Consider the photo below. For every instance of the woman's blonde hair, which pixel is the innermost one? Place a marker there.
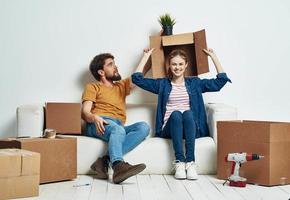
(172, 54)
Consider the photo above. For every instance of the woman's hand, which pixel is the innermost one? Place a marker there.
(148, 51)
(142, 67)
(147, 54)
(214, 59)
(210, 53)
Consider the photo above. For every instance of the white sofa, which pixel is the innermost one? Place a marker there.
(156, 153)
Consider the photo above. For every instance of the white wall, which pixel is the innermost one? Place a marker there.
(46, 46)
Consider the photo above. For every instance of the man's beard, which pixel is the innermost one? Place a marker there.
(114, 78)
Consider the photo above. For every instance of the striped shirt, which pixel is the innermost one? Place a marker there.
(178, 100)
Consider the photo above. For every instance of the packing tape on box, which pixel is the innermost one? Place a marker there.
(49, 133)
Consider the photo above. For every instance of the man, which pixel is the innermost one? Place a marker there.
(103, 109)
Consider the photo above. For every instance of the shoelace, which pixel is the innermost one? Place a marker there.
(190, 164)
(175, 165)
(177, 161)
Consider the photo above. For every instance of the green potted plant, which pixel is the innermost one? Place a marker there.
(167, 22)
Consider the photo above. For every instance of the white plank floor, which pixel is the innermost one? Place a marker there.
(157, 187)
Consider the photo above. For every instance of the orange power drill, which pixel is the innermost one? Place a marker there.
(237, 159)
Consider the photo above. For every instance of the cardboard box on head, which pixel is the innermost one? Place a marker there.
(192, 43)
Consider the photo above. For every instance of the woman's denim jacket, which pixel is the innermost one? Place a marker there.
(195, 87)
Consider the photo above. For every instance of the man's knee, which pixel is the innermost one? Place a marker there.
(117, 130)
(144, 128)
(176, 116)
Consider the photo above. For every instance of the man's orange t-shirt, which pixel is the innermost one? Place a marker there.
(108, 101)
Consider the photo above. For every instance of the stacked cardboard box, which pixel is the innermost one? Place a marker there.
(19, 173)
(65, 118)
(270, 139)
(58, 156)
(192, 43)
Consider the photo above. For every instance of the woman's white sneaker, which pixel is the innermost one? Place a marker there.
(180, 172)
(191, 173)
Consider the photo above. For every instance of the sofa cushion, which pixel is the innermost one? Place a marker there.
(144, 112)
(156, 153)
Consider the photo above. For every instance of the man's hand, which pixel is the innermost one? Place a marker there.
(100, 124)
(92, 118)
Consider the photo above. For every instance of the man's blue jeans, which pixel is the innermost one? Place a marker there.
(121, 139)
(179, 126)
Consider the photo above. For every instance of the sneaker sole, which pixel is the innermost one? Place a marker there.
(134, 172)
(192, 178)
(180, 178)
(100, 174)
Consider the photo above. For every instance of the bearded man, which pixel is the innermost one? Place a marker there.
(104, 110)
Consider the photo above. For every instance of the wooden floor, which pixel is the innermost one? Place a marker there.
(157, 187)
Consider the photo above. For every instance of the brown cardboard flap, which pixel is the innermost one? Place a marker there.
(180, 39)
(157, 57)
(201, 57)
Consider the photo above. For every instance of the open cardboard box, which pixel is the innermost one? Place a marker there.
(192, 43)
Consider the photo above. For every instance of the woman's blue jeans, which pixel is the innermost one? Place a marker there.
(179, 126)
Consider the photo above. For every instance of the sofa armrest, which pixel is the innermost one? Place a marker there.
(30, 120)
(218, 112)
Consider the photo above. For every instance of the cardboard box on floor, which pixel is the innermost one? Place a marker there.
(58, 156)
(270, 139)
(65, 118)
(192, 43)
(19, 173)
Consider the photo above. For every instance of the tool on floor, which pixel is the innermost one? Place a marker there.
(237, 159)
(80, 185)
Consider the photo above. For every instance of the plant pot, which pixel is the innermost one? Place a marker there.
(167, 30)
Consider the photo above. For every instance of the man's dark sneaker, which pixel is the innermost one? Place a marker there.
(123, 170)
(100, 166)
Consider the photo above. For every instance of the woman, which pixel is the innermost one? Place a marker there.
(180, 109)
